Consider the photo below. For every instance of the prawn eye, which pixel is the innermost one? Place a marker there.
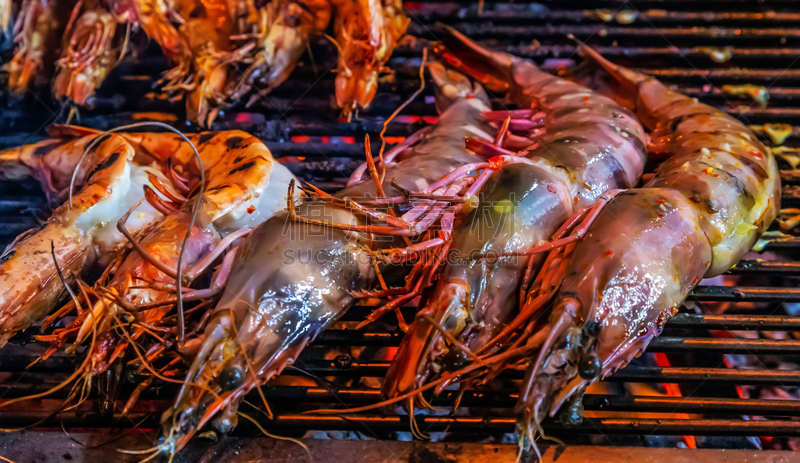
(589, 367)
(231, 378)
(572, 414)
(455, 360)
(592, 328)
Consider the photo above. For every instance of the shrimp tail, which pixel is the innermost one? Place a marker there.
(67, 131)
(640, 93)
(452, 86)
(493, 69)
(612, 80)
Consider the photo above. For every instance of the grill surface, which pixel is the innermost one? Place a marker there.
(665, 40)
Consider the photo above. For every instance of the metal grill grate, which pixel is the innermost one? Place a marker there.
(666, 39)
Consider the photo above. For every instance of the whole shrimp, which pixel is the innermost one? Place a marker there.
(244, 186)
(367, 32)
(88, 54)
(707, 205)
(282, 33)
(37, 33)
(291, 278)
(584, 146)
(204, 70)
(79, 232)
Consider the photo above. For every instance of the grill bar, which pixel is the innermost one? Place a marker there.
(763, 45)
(560, 32)
(34, 380)
(472, 399)
(660, 344)
(430, 12)
(382, 423)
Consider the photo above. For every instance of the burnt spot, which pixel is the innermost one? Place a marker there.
(292, 20)
(304, 7)
(244, 166)
(205, 137)
(109, 161)
(238, 159)
(7, 255)
(198, 10)
(44, 149)
(617, 172)
(234, 142)
(705, 202)
(217, 188)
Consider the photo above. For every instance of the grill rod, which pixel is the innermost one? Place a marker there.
(481, 399)
(377, 369)
(373, 423)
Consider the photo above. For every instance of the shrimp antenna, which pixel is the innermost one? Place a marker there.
(275, 436)
(251, 368)
(124, 48)
(401, 107)
(61, 276)
(80, 370)
(200, 193)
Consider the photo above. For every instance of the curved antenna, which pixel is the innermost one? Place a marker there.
(192, 221)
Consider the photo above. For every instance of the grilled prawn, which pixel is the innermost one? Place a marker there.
(37, 33)
(88, 54)
(244, 186)
(584, 145)
(202, 74)
(156, 17)
(282, 33)
(367, 32)
(709, 202)
(81, 231)
(291, 279)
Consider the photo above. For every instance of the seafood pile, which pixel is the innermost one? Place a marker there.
(220, 51)
(637, 254)
(152, 212)
(525, 233)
